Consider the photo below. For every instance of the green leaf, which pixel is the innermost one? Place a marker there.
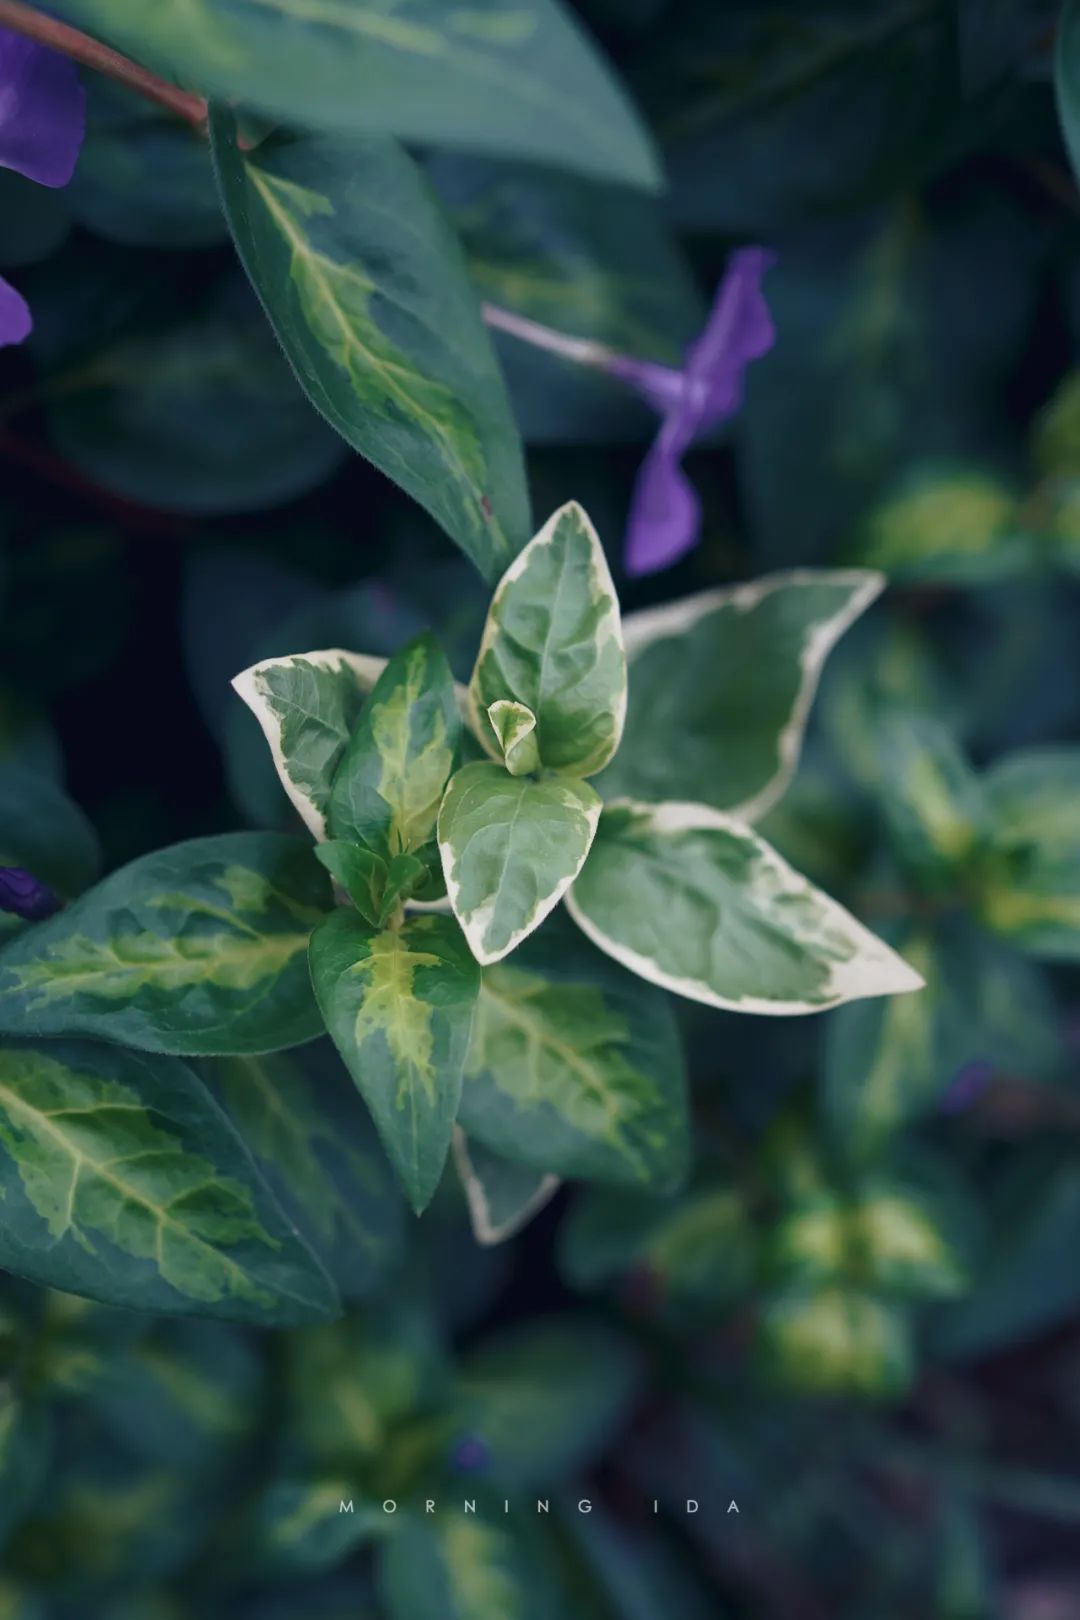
(696, 902)
(575, 1067)
(889, 1062)
(696, 1254)
(930, 797)
(458, 1566)
(313, 1141)
(367, 290)
(1031, 893)
(511, 848)
(515, 727)
(553, 642)
(1067, 79)
(773, 113)
(200, 948)
(193, 410)
(399, 1007)
(308, 706)
(518, 79)
(1025, 1283)
(25, 1449)
(502, 1195)
(122, 1180)
(360, 872)
(721, 686)
(837, 1342)
(546, 1399)
(41, 829)
(949, 525)
(297, 1527)
(390, 782)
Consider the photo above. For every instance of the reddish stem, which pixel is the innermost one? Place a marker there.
(60, 36)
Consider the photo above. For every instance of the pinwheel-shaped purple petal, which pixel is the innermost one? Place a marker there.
(42, 121)
(25, 895)
(666, 514)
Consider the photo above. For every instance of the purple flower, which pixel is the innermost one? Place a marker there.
(665, 514)
(25, 895)
(471, 1455)
(967, 1085)
(42, 121)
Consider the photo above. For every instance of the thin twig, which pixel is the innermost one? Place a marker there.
(581, 350)
(91, 53)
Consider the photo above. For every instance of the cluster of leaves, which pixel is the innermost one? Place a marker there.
(551, 854)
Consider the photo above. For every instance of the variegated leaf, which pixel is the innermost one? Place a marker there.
(392, 776)
(840, 1341)
(575, 1067)
(510, 849)
(122, 1180)
(200, 948)
(929, 795)
(360, 872)
(502, 1195)
(695, 901)
(1031, 892)
(366, 287)
(399, 1006)
(553, 643)
(308, 706)
(312, 1138)
(456, 1566)
(515, 727)
(721, 686)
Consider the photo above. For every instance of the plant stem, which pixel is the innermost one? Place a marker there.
(80, 47)
(583, 351)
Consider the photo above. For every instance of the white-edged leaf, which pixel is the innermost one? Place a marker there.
(553, 643)
(515, 727)
(721, 685)
(510, 849)
(307, 705)
(502, 1196)
(695, 901)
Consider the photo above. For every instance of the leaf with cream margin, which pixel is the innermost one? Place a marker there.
(511, 848)
(391, 778)
(366, 287)
(398, 1006)
(721, 686)
(515, 727)
(553, 643)
(502, 1195)
(697, 902)
(308, 706)
(122, 1180)
(197, 949)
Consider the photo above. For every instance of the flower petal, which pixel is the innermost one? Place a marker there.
(739, 330)
(15, 322)
(42, 111)
(665, 513)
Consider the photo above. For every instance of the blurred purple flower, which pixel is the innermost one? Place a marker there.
(25, 895)
(42, 121)
(471, 1455)
(665, 514)
(967, 1085)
